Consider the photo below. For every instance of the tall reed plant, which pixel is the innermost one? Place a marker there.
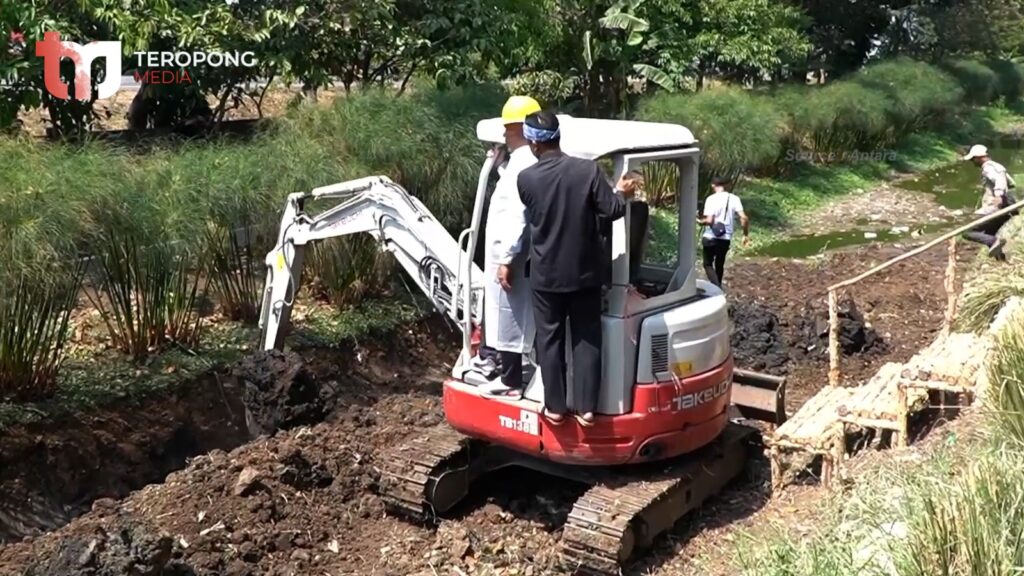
(346, 270)
(1011, 79)
(739, 131)
(979, 82)
(35, 310)
(144, 279)
(918, 93)
(1006, 381)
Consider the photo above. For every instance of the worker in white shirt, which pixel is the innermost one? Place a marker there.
(508, 312)
(996, 184)
(718, 217)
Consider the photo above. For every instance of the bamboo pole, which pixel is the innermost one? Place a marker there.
(833, 338)
(950, 288)
(928, 246)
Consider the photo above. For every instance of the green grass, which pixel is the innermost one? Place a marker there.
(158, 218)
(329, 327)
(91, 379)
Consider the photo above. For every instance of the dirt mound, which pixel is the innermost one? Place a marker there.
(757, 340)
(856, 336)
(279, 393)
(122, 548)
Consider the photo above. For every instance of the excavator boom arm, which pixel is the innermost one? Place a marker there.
(402, 225)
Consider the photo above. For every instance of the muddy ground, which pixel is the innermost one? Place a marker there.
(886, 205)
(302, 501)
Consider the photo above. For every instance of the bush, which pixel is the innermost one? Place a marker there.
(980, 83)
(415, 143)
(840, 117)
(985, 295)
(1006, 381)
(738, 131)
(1011, 79)
(917, 92)
(34, 314)
(146, 248)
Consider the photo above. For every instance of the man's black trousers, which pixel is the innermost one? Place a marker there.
(582, 311)
(714, 251)
(985, 233)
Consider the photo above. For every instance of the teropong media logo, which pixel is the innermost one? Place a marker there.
(52, 50)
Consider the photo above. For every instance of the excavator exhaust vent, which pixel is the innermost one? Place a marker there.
(659, 353)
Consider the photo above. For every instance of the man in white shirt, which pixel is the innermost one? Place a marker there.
(996, 184)
(508, 313)
(718, 217)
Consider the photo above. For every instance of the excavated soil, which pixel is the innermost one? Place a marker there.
(51, 471)
(896, 312)
(302, 500)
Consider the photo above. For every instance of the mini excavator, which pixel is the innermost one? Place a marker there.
(669, 431)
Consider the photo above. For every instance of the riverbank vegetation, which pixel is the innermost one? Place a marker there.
(955, 509)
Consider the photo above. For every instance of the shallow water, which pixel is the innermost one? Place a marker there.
(804, 246)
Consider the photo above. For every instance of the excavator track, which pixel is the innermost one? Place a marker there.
(613, 519)
(426, 475)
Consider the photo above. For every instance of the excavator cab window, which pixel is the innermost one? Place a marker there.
(653, 228)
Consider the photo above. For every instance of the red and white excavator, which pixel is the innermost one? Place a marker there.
(667, 433)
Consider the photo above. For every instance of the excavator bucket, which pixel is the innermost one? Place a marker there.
(759, 396)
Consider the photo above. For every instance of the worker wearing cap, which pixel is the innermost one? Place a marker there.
(508, 317)
(564, 198)
(996, 183)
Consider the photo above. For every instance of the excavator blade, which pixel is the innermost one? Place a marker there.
(759, 396)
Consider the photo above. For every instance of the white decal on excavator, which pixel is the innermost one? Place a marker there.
(527, 423)
(694, 399)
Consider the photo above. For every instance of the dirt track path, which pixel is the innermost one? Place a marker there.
(310, 507)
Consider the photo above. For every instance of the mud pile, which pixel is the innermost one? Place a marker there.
(121, 548)
(856, 336)
(279, 393)
(303, 502)
(757, 340)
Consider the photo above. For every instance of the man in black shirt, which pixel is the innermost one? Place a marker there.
(564, 198)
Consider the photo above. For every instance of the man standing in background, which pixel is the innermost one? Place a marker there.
(719, 209)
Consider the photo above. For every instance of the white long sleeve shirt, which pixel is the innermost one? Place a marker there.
(506, 217)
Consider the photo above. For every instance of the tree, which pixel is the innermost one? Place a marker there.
(748, 40)
(937, 29)
(844, 32)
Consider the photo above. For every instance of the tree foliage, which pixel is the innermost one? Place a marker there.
(592, 55)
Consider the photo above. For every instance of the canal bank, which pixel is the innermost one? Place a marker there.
(897, 207)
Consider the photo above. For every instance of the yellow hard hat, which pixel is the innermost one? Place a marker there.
(517, 108)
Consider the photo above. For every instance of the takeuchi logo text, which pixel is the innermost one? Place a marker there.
(150, 67)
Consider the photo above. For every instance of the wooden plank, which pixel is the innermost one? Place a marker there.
(816, 420)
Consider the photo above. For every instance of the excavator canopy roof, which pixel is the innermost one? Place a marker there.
(593, 138)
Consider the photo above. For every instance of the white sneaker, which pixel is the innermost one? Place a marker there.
(485, 366)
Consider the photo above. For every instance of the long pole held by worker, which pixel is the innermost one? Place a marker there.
(833, 304)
